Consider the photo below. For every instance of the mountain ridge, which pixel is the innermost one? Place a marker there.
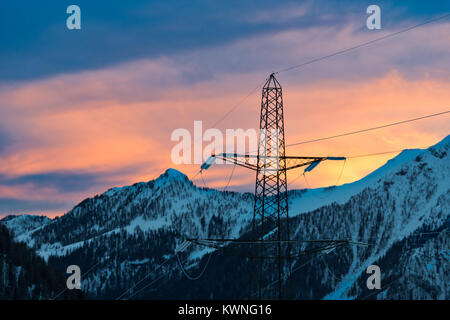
(130, 230)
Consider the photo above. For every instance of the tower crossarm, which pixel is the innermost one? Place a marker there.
(250, 161)
(293, 162)
(243, 160)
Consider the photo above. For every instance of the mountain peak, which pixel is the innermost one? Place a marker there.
(174, 174)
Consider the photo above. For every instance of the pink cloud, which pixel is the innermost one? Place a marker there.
(109, 119)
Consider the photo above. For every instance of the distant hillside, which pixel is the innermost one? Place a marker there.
(24, 275)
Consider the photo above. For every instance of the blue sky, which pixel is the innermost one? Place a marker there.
(35, 42)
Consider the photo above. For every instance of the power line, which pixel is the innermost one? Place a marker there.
(148, 274)
(83, 274)
(366, 130)
(362, 44)
(229, 178)
(96, 264)
(195, 175)
(381, 153)
(369, 129)
(160, 266)
(148, 285)
(145, 287)
(342, 171)
(238, 104)
(352, 157)
(201, 272)
(326, 57)
(204, 183)
(162, 276)
(140, 281)
(293, 270)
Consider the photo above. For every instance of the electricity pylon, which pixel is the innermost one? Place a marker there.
(271, 243)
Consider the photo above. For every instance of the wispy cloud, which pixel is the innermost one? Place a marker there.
(114, 32)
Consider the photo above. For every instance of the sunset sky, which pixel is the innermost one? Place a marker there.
(82, 111)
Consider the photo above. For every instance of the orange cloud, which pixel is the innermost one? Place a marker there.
(112, 136)
(106, 120)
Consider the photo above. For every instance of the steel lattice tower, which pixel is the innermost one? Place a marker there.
(270, 243)
(271, 200)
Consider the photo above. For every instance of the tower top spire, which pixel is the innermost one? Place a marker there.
(272, 82)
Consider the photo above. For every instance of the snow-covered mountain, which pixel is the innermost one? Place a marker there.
(24, 223)
(312, 199)
(126, 238)
(24, 275)
(403, 212)
(130, 228)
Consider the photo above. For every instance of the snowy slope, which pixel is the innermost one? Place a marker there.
(24, 224)
(132, 227)
(311, 199)
(407, 199)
